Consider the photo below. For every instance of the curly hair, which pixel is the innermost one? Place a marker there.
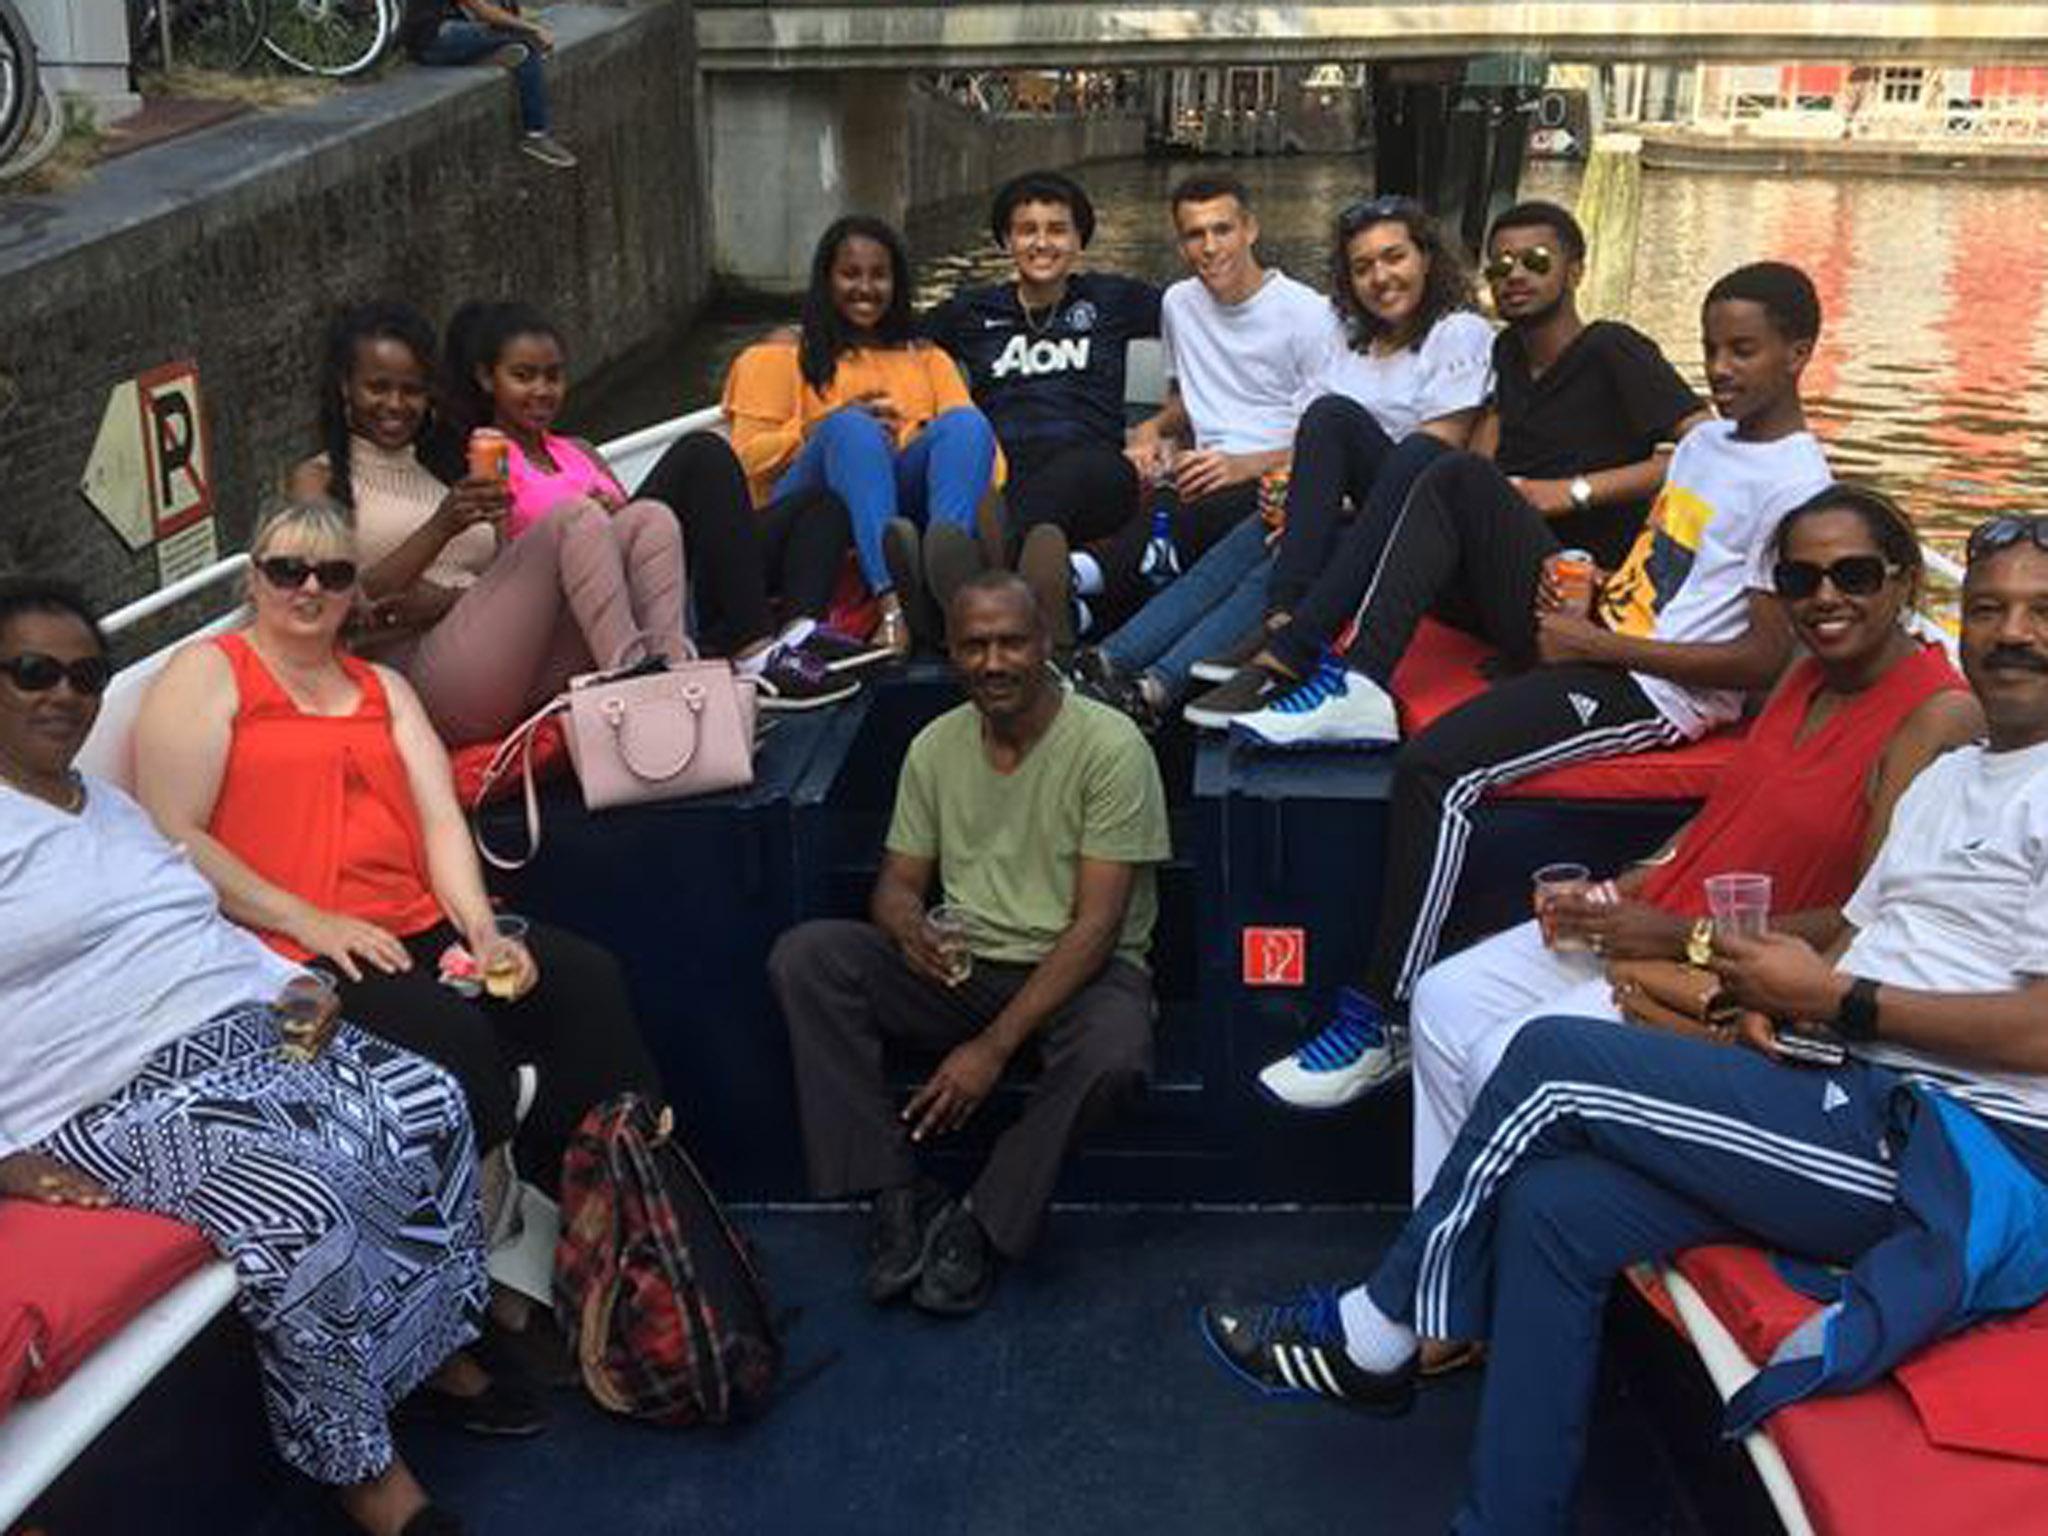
(1446, 284)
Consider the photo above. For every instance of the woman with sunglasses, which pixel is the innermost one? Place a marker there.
(310, 788)
(1806, 801)
(140, 1067)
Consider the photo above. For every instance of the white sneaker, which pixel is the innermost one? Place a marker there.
(1352, 1055)
(1334, 708)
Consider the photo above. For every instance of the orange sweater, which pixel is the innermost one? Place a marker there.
(772, 409)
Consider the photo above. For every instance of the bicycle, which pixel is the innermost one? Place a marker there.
(207, 34)
(31, 117)
(330, 37)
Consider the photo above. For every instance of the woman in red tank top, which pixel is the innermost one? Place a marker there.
(311, 790)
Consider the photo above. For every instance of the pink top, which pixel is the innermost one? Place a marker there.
(536, 492)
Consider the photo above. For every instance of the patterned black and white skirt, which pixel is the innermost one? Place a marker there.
(344, 1191)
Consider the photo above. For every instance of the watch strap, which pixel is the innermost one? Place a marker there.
(1856, 1016)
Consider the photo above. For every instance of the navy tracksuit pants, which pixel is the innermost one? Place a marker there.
(1595, 1145)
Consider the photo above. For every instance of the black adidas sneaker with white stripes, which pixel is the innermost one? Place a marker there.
(1296, 1349)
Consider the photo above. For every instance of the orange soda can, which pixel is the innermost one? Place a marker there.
(1572, 573)
(489, 452)
(1273, 498)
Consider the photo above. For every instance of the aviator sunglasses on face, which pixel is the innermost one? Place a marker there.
(33, 672)
(2002, 533)
(289, 572)
(1538, 259)
(1853, 576)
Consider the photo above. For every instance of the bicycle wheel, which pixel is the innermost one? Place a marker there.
(19, 87)
(44, 132)
(327, 37)
(217, 34)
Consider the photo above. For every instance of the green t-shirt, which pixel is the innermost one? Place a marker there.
(1008, 845)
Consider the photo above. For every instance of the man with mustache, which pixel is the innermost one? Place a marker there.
(1593, 1146)
(1041, 814)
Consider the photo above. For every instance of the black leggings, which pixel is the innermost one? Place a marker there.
(575, 1027)
(737, 557)
(1088, 492)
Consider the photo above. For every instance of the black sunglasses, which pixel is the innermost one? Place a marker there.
(1376, 210)
(33, 672)
(289, 572)
(1853, 576)
(2002, 533)
(1538, 259)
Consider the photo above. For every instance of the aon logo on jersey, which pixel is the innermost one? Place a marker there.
(1032, 358)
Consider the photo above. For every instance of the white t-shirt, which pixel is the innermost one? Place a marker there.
(1705, 547)
(112, 945)
(1451, 371)
(1247, 371)
(1957, 901)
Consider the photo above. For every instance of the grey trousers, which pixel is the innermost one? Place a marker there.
(845, 992)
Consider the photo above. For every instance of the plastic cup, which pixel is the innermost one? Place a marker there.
(1739, 904)
(501, 972)
(304, 1006)
(950, 928)
(1550, 883)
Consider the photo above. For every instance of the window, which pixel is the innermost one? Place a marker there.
(1901, 85)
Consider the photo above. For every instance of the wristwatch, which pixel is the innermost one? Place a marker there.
(1581, 492)
(1699, 944)
(1856, 1015)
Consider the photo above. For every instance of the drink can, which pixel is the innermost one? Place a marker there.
(1572, 571)
(1273, 498)
(489, 451)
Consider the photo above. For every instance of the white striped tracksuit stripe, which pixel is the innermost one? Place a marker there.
(1678, 1121)
(1455, 827)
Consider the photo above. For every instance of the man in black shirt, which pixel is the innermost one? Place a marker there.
(1045, 360)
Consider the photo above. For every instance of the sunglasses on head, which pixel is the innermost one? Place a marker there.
(1853, 576)
(2002, 533)
(1375, 210)
(289, 572)
(33, 672)
(1538, 259)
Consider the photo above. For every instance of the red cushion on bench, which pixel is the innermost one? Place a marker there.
(469, 764)
(1741, 1287)
(21, 1337)
(84, 1274)
(1441, 671)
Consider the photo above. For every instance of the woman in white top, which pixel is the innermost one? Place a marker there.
(1409, 387)
(140, 1066)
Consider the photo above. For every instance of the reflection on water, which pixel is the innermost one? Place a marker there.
(1932, 373)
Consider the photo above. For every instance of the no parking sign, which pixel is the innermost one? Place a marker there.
(151, 471)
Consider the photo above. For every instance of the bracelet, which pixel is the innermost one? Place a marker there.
(1856, 1015)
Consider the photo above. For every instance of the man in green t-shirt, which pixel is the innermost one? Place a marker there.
(1041, 814)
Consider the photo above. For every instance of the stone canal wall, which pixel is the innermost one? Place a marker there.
(956, 152)
(230, 249)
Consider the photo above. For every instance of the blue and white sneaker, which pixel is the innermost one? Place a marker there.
(1334, 708)
(1349, 1057)
(1296, 1349)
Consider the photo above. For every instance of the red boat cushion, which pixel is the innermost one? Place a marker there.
(21, 1335)
(83, 1274)
(1441, 671)
(550, 754)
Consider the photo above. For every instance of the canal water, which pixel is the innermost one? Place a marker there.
(1931, 378)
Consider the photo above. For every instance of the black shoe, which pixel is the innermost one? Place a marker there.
(431, 1520)
(903, 553)
(959, 1266)
(1221, 668)
(952, 558)
(1049, 573)
(1296, 1349)
(1249, 688)
(509, 1408)
(1096, 677)
(539, 1352)
(898, 1225)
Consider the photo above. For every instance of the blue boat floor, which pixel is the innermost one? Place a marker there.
(1081, 1401)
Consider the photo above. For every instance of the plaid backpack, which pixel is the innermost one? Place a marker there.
(671, 1317)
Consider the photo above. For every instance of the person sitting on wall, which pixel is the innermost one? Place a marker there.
(853, 401)
(1044, 356)
(311, 790)
(1591, 1148)
(437, 32)
(1041, 814)
(142, 1066)
(1247, 348)
(1579, 425)
(1675, 640)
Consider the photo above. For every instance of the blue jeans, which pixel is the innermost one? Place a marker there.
(941, 476)
(465, 42)
(1214, 603)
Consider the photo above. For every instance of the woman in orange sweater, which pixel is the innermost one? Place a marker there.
(855, 403)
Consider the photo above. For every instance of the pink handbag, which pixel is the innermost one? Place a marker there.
(638, 734)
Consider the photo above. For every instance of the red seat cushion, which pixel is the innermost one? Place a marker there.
(84, 1274)
(1441, 671)
(21, 1337)
(550, 753)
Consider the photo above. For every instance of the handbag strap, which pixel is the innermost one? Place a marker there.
(638, 641)
(614, 710)
(518, 745)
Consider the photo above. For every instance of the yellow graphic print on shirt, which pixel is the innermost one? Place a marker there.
(1657, 564)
